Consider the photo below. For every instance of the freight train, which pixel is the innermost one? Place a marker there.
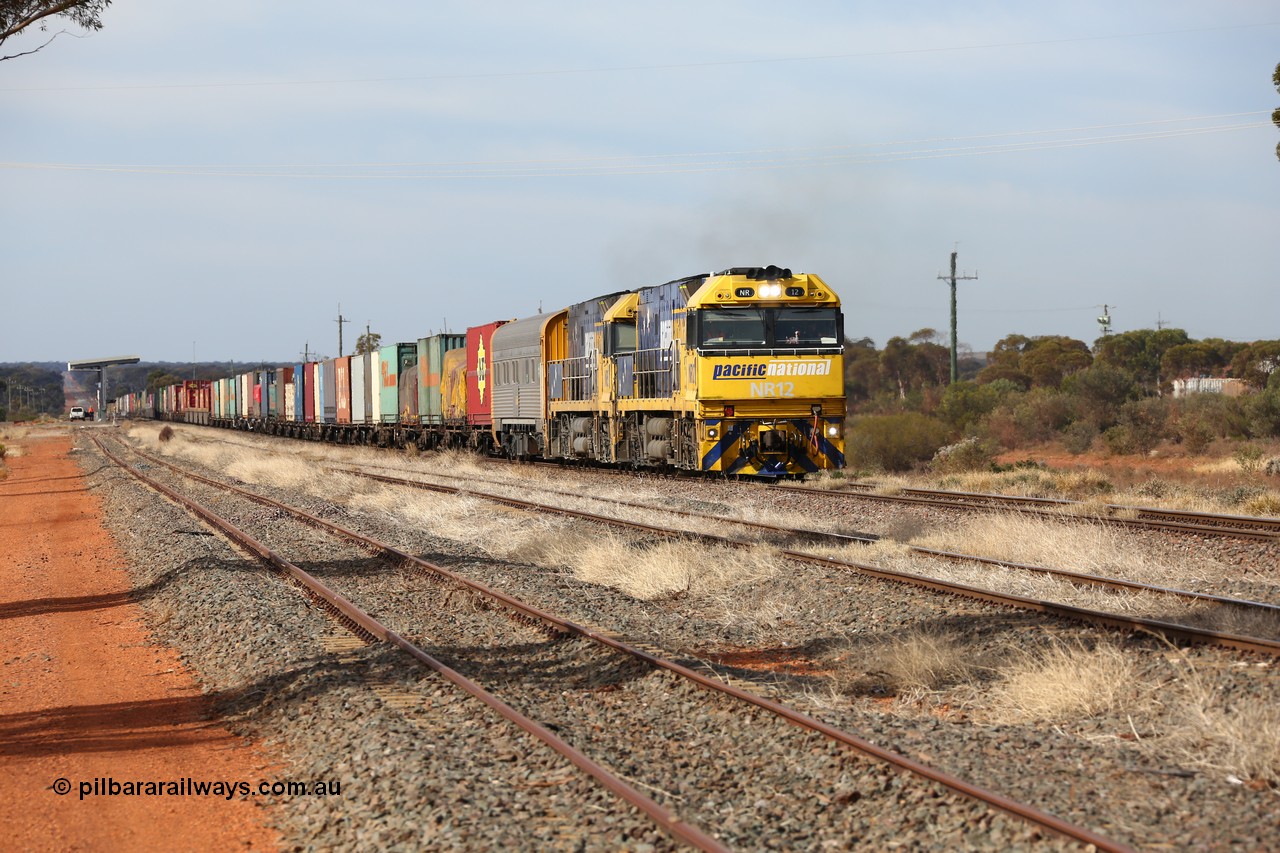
(738, 372)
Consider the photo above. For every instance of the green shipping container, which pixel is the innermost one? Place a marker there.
(430, 370)
(394, 361)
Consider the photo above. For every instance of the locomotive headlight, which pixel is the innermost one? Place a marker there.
(711, 432)
(833, 430)
(771, 291)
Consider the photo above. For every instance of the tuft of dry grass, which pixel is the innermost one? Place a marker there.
(1031, 482)
(1209, 727)
(668, 569)
(1092, 548)
(1267, 504)
(918, 663)
(1063, 682)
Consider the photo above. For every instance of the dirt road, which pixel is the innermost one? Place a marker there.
(86, 696)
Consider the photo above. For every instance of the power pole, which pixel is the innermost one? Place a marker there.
(1104, 322)
(340, 321)
(955, 368)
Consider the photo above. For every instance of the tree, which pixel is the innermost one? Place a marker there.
(368, 342)
(158, 379)
(1275, 115)
(17, 15)
(1039, 362)
(1050, 358)
(861, 369)
(1139, 352)
(1257, 362)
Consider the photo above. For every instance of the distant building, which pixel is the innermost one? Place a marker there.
(1229, 387)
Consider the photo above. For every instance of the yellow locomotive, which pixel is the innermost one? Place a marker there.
(738, 372)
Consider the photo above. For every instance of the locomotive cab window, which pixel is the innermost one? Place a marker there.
(620, 338)
(793, 327)
(732, 328)
(807, 327)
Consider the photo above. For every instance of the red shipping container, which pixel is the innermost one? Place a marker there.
(479, 380)
(309, 399)
(196, 395)
(342, 384)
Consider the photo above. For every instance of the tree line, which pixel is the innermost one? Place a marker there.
(1114, 395)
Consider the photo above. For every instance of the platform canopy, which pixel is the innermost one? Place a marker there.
(99, 363)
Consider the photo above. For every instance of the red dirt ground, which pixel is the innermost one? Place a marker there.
(86, 693)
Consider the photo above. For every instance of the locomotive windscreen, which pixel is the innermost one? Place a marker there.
(747, 327)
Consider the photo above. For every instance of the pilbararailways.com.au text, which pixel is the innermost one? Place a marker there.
(187, 787)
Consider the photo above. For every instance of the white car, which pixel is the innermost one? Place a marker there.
(77, 413)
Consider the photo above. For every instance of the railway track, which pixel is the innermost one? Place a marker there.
(785, 534)
(360, 622)
(1147, 518)
(1170, 630)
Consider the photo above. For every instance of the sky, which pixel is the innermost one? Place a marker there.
(222, 181)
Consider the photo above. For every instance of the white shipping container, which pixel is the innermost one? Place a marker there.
(289, 403)
(359, 382)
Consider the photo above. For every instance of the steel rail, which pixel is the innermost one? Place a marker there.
(1171, 630)
(1076, 578)
(365, 626)
(1023, 811)
(1209, 524)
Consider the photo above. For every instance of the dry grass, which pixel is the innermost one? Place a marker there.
(1092, 548)
(667, 569)
(1189, 719)
(1208, 729)
(1063, 683)
(1031, 482)
(909, 666)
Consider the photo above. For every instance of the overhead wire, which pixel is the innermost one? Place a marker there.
(676, 66)
(676, 163)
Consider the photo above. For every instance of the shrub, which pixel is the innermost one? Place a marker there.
(1119, 440)
(1262, 412)
(966, 403)
(1144, 421)
(894, 442)
(1194, 433)
(1078, 437)
(971, 454)
(166, 434)
(1248, 457)
(1099, 392)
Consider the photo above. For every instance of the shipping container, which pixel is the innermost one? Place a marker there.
(394, 361)
(246, 394)
(342, 388)
(299, 392)
(431, 352)
(310, 397)
(329, 400)
(479, 384)
(285, 382)
(453, 386)
(371, 387)
(359, 378)
(272, 396)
